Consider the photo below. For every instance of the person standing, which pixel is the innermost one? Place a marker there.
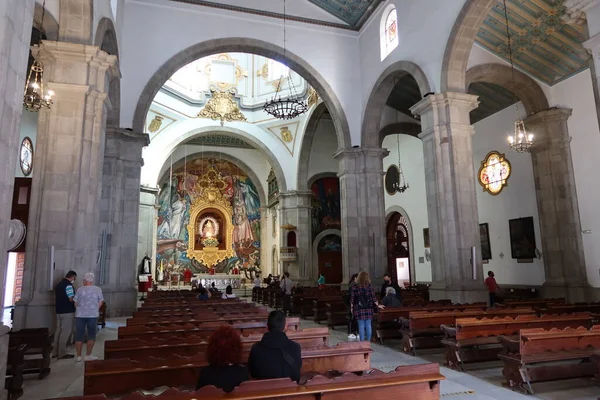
(492, 286)
(88, 301)
(286, 286)
(65, 315)
(321, 281)
(387, 282)
(363, 303)
(352, 324)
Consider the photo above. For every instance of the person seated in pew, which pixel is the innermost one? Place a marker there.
(223, 354)
(204, 294)
(213, 289)
(390, 299)
(228, 293)
(387, 282)
(275, 356)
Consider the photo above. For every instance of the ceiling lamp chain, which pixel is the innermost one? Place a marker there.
(34, 97)
(401, 185)
(519, 141)
(293, 105)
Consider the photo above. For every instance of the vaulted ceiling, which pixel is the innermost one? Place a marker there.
(544, 46)
(345, 14)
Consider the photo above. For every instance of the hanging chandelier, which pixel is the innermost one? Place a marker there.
(520, 140)
(400, 185)
(293, 105)
(34, 97)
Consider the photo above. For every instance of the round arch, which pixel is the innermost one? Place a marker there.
(389, 213)
(401, 128)
(244, 45)
(460, 42)
(167, 150)
(527, 90)
(380, 93)
(106, 40)
(315, 255)
(320, 175)
(307, 141)
(227, 157)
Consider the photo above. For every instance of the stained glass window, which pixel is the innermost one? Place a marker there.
(389, 31)
(26, 156)
(494, 172)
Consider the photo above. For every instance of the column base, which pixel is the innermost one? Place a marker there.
(120, 302)
(571, 292)
(458, 293)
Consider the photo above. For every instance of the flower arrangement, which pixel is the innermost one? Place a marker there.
(210, 242)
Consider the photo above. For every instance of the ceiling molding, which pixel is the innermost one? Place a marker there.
(354, 12)
(218, 140)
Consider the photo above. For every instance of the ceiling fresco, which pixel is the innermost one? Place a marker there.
(492, 98)
(544, 46)
(353, 12)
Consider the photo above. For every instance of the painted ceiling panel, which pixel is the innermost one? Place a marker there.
(492, 98)
(543, 45)
(353, 12)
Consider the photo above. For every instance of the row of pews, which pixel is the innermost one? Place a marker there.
(164, 344)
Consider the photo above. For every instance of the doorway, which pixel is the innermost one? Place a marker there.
(398, 249)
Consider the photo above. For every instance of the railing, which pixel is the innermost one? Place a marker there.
(288, 253)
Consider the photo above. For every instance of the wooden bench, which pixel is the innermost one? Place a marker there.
(136, 349)
(550, 355)
(14, 371)
(422, 329)
(38, 349)
(533, 303)
(571, 308)
(337, 314)
(320, 307)
(118, 376)
(476, 339)
(415, 382)
(224, 319)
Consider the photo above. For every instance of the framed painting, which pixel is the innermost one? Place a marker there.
(522, 238)
(426, 237)
(486, 248)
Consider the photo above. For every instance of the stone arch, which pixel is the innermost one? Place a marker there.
(50, 27)
(525, 88)
(232, 159)
(244, 45)
(318, 176)
(315, 255)
(460, 42)
(273, 161)
(389, 212)
(380, 93)
(402, 128)
(307, 141)
(106, 40)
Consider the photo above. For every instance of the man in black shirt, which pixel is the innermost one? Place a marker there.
(387, 282)
(65, 315)
(275, 356)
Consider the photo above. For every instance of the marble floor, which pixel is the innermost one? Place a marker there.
(480, 383)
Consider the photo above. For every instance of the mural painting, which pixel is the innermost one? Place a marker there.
(325, 205)
(233, 228)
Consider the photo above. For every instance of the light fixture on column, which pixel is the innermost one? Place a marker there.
(34, 97)
(520, 140)
(401, 185)
(291, 106)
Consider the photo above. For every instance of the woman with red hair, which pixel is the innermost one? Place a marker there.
(223, 353)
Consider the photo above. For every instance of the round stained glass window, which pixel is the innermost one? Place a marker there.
(26, 156)
(494, 172)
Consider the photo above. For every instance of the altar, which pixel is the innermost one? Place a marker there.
(221, 281)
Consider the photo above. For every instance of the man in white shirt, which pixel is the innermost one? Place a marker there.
(286, 286)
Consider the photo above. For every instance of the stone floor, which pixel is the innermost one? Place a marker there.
(482, 383)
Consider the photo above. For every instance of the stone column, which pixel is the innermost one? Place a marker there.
(296, 210)
(363, 211)
(16, 20)
(65, 198)
(264, 235)
(147, 226)
(451, 197)
(75, 21)
(558, 209)
(119, 218)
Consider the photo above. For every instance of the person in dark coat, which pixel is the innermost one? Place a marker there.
(275, 356)
(223, 355)
(387, 282)
(390, 299)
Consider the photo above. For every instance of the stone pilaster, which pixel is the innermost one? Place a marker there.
(558, 209)
(65, 198)
(264, 234)
(16, 19)
(363, 211)
(147, 226)
(296, 210)
(75, 21)
(451, 197)
(119, 218)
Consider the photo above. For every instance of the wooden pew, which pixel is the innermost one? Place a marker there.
(38, 350)
(320, 307)
(572, 308)
(113, 377)
(476, 339)
(224, 319)
(549, 355)
(14, 371)
(415, 382)
(138, 350)
(422, 330)
(337, 314)
(534, 303)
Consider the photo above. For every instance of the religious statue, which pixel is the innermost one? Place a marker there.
(208, 230)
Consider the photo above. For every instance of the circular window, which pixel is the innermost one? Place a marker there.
(26, 156)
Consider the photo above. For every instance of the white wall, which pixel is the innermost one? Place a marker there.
(414, 200)
(29, 126)
(156, 30)
(577, 93)
(517, 199)
(321, 152)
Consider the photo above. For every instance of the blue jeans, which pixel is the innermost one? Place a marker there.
(364, 325)
(81, 324)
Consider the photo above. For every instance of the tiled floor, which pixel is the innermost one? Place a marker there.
(483, 383)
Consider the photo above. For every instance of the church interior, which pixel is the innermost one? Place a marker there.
(171, 146)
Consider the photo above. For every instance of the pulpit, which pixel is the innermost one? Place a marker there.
(144, 283)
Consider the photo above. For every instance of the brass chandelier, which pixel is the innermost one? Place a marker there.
(34, 96)
(520, 140)
(293, 105)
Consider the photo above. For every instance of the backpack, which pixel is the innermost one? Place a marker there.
(364, 301)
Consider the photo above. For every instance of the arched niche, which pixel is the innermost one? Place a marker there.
(399, 234)
(327, 249)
